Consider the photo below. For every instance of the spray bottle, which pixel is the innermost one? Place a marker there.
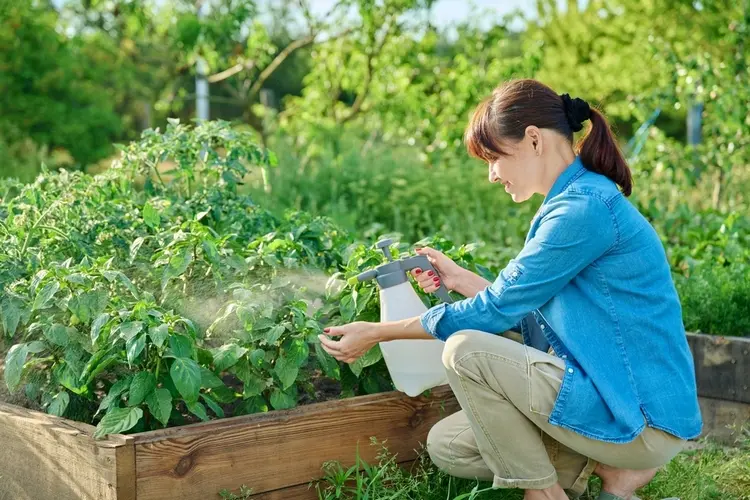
(414, 365)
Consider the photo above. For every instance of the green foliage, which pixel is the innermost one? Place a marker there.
(139, 309)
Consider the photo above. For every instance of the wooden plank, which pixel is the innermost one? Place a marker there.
(44, 456)
(306, 491)
(268, 452)
(723, 420)
(722, 366)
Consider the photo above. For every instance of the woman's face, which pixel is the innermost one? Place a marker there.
(520, 170)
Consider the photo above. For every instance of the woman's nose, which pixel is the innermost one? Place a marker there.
(493, 178)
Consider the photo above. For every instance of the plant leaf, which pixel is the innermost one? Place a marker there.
(97, 325)
(209, 380)
(135, 246)
(45, 295)
(150, 216)
(273, 335)
(57, 334)
(213, 405)
(286, 369)
(135, 346)
(327, 362)
(281, 400)
(368, 359)
(159, 334)
(117, 389)
(180, 346)
(186, 375)
(197, 409)
(160, 405)
(143, 384)
(227, 356)
(130, 329)
(11, 314)
(59, 404)
(118, 420)
(14, 361)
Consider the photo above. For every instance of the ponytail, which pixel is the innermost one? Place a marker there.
(600, 153)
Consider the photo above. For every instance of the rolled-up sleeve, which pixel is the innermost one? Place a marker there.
(575, 231)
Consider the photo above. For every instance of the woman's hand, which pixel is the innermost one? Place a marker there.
(356, 339)
(451, 274)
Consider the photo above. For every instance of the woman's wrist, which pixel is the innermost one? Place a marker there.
(470, 284)
(410, 328)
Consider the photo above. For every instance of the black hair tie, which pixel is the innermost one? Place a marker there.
(577, 111)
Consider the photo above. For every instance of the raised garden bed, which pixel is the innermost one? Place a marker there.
(278, 453)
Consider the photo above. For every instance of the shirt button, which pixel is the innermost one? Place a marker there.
(564, 356)
(541, 326)
(570, 370)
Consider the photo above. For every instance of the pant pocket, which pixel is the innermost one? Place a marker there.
(545, 379)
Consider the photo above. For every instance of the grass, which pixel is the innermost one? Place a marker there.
(709, 472)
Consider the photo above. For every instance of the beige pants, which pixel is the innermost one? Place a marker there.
(507, 391)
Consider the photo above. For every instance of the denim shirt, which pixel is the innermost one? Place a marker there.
(593, 281)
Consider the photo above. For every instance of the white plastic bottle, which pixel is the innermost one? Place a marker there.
(414, 365)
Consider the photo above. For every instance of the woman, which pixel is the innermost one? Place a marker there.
(615, 395)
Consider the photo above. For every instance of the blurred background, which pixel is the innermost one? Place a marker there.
(364, 103)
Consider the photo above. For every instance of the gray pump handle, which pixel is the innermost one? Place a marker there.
(421, 262)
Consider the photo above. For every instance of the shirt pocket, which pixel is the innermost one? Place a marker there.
(545, 378)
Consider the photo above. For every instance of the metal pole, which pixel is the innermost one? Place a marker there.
(201, 83)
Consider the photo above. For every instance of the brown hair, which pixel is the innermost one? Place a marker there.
(517, 104)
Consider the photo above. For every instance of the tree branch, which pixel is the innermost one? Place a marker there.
(223, 75)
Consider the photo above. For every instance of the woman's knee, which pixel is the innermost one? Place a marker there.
(459, 344)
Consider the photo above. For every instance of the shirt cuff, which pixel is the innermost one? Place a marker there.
(430, 319)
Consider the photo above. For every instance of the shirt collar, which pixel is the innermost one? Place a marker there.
(571, 173)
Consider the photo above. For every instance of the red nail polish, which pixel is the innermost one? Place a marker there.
(436, 280)
(417, 271)
(430, 273)
(326, 330)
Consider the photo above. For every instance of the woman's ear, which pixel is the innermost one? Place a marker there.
(535, 137)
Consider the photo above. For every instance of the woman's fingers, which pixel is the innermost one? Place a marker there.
(429, 281)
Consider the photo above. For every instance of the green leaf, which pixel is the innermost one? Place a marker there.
(213, 405)
(118, 420)
(273, 335)
(117, 389)
(159, 334)
(327, 362)
(11, 314)
(256, 358)
(197, 409)
(134, 347)
(130, 329)
(97, 325)
(281, 400)
(150, 216)
(119, 276)
(160, 405)
(209, 380)
(143, 384)
(250, 406)
(186, 375)
(227, 356)
(286, 369)
(57, 334)
(45, 295)
(252, 385)
(178, 264)
(36, 346)
(59, 404)
(180, 346)
(347, 309)
(298, 351)
(14, 361)
(368, 359)
(364, 299)
(223, 394)
(135, 246)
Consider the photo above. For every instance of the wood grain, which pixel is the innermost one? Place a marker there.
(722, 366)
(723, 420)
(280, 449)
(43, 456)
